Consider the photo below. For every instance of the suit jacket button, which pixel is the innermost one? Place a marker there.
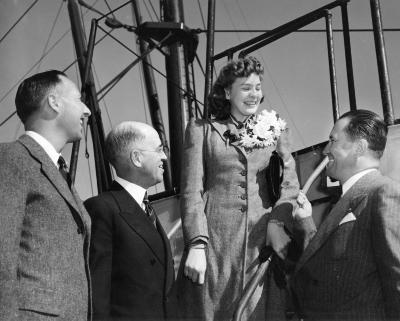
(243, 197)
(243, 209)
(242, 185)
(243, 172)
(153, 261)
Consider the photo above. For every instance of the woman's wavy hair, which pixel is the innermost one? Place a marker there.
(219, 106)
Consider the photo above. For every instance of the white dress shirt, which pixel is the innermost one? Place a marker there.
(353, 179)
(46, 145)
(136, 191)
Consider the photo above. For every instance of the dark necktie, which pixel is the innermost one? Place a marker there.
(149, 210)
(63, 168)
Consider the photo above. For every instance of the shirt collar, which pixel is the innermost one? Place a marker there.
(136, 191)
(46, 145)
(353, 179)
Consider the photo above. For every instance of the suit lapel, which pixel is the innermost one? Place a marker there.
(136, 218)
(228, 126)
(348, 203)
(50, 170)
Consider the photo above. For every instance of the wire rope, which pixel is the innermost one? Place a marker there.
(32, 67)
(201, 14)
(49, 37)
(150, 65)
(18, 20)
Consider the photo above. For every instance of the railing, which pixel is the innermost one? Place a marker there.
(268, 37)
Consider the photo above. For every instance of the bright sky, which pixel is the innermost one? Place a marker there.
(296, 81)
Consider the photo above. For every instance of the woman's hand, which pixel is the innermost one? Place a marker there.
(283, 146)
(304, 208)
(196, 264)
(277, 238)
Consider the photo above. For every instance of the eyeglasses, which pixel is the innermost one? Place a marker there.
(158, 150)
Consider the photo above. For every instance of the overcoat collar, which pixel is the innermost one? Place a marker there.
(53, 175)
(348, 203)
(227, 129)
(135, 217)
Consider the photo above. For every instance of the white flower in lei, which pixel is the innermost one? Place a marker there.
(261, 130)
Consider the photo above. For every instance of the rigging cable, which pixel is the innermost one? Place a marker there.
(273, 83)
(201, 14)
(96, 43)
(104, 101)
(231, 19)
(34, 65)
(154, 11)
(151, 66)
(18, 20)
(49, 37)
(145, 108)
(109, 8)
(94, 72)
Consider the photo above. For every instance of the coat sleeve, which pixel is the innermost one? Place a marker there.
(386, 244)
(100, 258)
(194, 220)
(284, 206)
(13, 200)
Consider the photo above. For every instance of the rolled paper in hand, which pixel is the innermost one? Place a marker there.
(315, 174)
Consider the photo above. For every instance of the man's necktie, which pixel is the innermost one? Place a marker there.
(149, 209)
(63, 168)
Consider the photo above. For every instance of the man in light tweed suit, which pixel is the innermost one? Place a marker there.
(44, 228)
(350, 267)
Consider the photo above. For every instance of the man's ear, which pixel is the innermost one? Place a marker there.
(53, 102)
(362, 147)
(136, 158)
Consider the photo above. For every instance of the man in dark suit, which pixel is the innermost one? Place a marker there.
(130, 256)
(350, 267)
(44, 227)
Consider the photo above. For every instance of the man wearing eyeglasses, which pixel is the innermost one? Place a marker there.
(130, 257)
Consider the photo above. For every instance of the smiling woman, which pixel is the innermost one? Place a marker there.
(225, 204)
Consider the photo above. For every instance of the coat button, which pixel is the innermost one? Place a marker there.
(242, 185)
(243, 172)
(243, 197)
(243, 209)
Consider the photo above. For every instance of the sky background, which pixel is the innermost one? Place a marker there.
(296, 81)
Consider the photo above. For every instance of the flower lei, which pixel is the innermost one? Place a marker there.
(261, 130)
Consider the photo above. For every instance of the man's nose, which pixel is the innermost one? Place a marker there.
(86, 111)
(326, 149)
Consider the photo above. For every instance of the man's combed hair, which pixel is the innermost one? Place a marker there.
(33, 90)
(219, 106)
(369, 126)
(119, 142)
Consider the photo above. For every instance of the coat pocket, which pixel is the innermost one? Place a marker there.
(40, 300)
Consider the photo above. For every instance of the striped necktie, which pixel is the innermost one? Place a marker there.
(63, 169)
(149, 209)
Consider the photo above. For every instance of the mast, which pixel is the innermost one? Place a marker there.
(176, 64)
(103, 172)
(383, 70)
(152, 98)
(209, 54)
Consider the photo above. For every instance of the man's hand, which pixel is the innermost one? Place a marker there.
(283, 146)
(304, 208)
(277, 238)
(196, 264)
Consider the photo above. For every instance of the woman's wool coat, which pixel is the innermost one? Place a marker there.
(225, 199)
